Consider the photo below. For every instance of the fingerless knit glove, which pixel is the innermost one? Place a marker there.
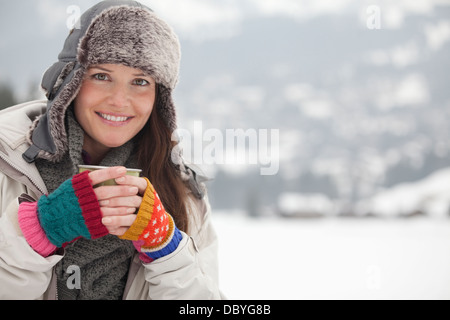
(70, 212)
(154, 233)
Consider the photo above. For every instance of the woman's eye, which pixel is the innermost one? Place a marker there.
(100, 76)
(141, 82)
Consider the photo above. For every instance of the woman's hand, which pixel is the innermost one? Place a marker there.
(119, 203)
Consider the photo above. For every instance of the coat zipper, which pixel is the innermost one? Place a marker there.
(12, 165)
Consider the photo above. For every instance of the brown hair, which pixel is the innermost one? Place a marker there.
(154, 149)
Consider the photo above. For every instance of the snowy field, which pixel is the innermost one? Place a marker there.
(333, 258)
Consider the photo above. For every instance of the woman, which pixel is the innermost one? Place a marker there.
(109, 104)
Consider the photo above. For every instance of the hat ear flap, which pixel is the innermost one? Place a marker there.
(166, 107)
(54, 77)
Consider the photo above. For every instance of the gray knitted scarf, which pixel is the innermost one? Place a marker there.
(103, 263)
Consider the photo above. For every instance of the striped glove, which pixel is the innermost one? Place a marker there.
(70, 212)
(154, 233)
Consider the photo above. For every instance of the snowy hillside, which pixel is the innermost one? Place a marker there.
(430, 196)
(357, 110)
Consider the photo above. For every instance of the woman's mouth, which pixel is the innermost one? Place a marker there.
(114, 119)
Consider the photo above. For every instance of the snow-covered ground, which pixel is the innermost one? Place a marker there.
(334, 258)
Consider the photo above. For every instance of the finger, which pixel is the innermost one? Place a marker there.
(119, 221)
(118, 232)
(116, 223)
(130, 202)
(108, 192)
(99, 176)
(141, 183)
(111, 212)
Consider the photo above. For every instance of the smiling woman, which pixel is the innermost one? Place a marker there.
(109, 104)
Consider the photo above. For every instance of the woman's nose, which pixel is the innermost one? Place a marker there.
(119, 96)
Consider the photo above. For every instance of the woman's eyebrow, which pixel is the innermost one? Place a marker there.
(140, 75)
(100, 68)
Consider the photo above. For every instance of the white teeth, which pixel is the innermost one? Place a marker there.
(113, 118)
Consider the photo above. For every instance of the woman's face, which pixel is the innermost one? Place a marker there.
(113, 105)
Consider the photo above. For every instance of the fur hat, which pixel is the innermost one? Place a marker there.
(113, 31)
